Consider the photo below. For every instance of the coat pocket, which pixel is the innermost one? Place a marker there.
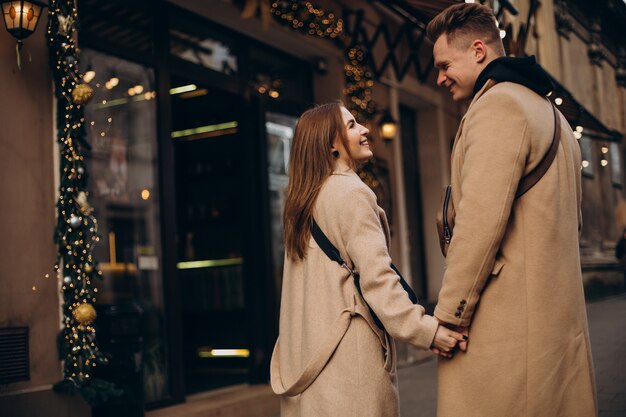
(497, 267)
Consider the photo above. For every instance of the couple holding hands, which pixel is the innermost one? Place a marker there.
(510, 325)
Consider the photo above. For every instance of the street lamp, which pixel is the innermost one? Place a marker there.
(21, 18)
(388, 126)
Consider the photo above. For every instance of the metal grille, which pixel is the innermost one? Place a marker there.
(14, 355)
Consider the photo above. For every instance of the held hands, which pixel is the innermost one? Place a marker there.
(449, 339)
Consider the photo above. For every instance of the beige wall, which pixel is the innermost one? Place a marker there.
(608, 96)
(27, 212)
(547, 47)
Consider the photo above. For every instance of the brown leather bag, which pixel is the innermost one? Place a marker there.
(446, 213)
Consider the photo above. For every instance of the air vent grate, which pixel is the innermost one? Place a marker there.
(14, 355)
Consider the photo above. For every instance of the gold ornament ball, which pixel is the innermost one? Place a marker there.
(88, 268)
(84, 313)
(82, 94)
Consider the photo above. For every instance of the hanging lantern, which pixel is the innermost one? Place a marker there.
(388, 126)
(21, 19)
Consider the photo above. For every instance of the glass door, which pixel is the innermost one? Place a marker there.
(209, 184)
(124, 194)
(279, 130)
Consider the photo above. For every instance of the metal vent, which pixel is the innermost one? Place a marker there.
(14, 355)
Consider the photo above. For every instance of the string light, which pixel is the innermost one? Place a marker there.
(76, 231)
(308, 19)
(89, 76)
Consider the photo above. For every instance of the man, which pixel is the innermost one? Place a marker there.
(528, 352)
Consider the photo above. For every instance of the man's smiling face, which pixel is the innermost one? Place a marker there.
(458, 67)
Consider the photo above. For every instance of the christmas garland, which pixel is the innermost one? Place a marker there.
(76, 231)
(308, 19)
(359, 83)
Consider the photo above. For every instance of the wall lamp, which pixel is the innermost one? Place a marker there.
(20, 19)
(388, 126)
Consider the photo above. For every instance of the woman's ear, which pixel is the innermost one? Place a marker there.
(334, 149)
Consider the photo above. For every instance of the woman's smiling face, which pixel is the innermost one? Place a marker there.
(356, 134)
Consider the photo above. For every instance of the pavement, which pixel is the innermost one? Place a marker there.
(607, 328)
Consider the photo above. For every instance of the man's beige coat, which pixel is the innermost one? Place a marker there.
(513, 268)
(330, 357)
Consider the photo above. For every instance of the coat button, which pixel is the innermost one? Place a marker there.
(463, 302)
(457, 314)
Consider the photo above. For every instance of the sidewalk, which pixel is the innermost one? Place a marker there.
(607, 326)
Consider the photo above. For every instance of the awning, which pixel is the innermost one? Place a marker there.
(577, 115)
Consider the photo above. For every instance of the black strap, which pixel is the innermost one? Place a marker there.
(537, 173)
(333, 254)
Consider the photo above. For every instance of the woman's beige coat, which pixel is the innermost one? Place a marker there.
(330, 357)
(513, 268)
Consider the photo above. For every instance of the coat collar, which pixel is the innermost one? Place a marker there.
(490, 83)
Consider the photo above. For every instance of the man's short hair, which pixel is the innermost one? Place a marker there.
(464, 21)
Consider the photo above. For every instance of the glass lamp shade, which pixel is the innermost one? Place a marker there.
(388, 127)
(21, 17)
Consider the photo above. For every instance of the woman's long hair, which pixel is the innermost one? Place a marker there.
(311, 162)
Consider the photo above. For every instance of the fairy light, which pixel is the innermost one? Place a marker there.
(311, 20)
(76, 232)
(89, 76)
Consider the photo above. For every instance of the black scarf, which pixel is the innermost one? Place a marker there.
(524, 71)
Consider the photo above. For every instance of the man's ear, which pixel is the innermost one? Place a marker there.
(479, 51)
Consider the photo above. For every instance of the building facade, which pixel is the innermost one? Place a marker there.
(189, 132)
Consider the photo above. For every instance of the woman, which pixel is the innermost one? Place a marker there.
(331, 358)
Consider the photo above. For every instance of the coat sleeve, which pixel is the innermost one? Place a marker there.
(494, 150)
(364, 239)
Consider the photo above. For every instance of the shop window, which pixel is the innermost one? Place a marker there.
(198, 45)
(586, 150)
(279, 129)
(615, 163)
(123, 189)
(279, 76)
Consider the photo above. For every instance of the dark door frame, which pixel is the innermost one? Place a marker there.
(413, 197)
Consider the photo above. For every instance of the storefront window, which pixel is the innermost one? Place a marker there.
(196, 44)
(124, 191)
(587, 156)
(615, 162)
(279, 129)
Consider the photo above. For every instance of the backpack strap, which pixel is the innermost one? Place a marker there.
(333, 254)
(535, 175)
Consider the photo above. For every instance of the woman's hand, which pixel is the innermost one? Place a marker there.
(445, 341)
